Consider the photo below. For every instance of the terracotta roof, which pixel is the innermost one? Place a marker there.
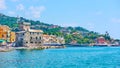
(6, 28)
(32, 30)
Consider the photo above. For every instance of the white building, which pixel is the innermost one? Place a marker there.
(28, 37)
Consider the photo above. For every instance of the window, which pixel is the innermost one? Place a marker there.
(39, 37)
(2, 35)
(30, 37)
(22, 39)
(31, 42)
(31, 33)
(36, 38)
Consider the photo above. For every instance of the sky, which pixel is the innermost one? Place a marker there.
(94, 15)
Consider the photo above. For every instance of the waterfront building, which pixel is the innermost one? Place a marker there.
(46, 39)
(51, 39)
(12, 36)
(61, 40)
(101, 40)
(5, 32)
(28, 37)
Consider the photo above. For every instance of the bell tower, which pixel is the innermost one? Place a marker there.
(23, 26)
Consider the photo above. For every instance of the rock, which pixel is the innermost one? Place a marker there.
(6, 49)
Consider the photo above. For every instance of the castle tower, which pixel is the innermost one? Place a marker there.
(23, 26)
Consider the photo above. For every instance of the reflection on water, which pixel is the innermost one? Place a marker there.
(73, 57)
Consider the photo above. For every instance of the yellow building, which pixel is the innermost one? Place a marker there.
(12, 36)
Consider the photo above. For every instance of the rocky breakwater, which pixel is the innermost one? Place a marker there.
(44, 47)
(6, 48)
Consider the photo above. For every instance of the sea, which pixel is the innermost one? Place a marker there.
(69, 57)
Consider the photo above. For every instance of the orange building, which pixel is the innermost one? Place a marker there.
(6, 34)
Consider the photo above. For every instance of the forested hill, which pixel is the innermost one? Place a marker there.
(71, 34)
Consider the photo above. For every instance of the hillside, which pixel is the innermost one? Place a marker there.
(71, 34)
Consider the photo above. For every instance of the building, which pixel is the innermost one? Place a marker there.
(51, 39)
(7, 34)
(28, 37)
(74, 42)
(61, 40)
(46, 39)
(24, 26)
(101, 40)
(12, 36)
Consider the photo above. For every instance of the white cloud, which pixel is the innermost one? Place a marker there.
(11, 12)
(20, 7)
(14, 0)
(35, 11)
(116, 20)
(2, 5)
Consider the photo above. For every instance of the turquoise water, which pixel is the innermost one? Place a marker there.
(72, 57)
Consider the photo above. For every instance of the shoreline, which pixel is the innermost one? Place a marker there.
(7, 48)
(94, 45)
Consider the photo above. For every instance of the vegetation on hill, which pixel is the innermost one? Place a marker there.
(71, 34)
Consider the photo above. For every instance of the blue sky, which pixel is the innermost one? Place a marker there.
(95, 15)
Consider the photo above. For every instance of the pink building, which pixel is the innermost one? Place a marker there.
(101, 40)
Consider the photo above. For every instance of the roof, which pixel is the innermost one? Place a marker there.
(4, 28)
(46, 36)
(26, 23)
(32, 30)
(21, 32)
(101, 37)
(1, 40)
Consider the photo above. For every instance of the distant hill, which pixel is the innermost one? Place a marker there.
(71, 34)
